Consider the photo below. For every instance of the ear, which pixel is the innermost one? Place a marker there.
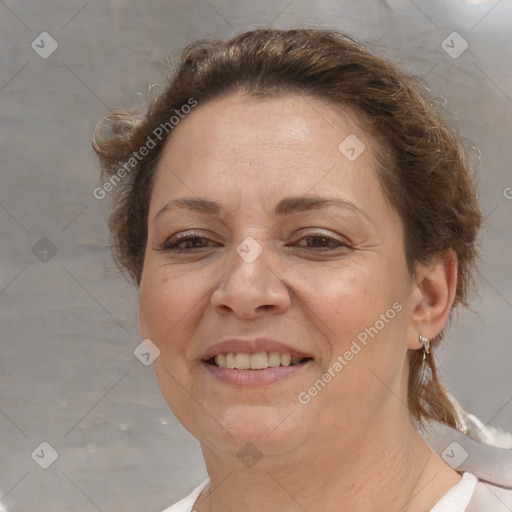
(142, 325)
(433, 298)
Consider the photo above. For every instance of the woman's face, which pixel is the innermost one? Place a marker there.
(254, 259)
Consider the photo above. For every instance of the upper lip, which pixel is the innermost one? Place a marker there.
(251, 346)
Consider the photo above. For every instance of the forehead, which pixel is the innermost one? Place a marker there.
(252, 148)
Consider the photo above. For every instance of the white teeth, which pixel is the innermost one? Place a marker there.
(286, 359)
(230, 360)
(258, 361)
(274, 359)
(242, 361)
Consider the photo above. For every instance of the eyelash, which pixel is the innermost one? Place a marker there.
(178, 239)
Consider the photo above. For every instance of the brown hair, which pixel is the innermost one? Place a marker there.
(423, 165)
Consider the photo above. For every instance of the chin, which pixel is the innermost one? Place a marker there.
(271, 430)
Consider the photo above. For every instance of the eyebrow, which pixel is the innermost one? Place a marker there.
(286, 206)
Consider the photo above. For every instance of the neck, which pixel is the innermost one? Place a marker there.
(384, 469)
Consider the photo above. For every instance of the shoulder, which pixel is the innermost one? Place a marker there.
(491, 464)
(483, 452)
(187, 503)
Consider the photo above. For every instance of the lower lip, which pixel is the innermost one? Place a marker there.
(255, 377)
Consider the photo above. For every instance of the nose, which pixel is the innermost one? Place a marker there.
(250, 286)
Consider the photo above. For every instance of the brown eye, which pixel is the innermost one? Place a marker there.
(321, 242)
(191, 242)
(184, 242)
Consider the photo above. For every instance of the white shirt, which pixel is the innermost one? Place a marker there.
(455, 500)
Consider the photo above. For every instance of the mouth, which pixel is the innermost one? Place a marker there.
(256, 361)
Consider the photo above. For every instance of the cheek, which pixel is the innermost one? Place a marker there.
(360, 310)
(347, 297)
(170, 304)
(167, 302)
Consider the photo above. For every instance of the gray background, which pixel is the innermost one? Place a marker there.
(68, 375)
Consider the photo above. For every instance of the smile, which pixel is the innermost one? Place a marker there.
(257, 361)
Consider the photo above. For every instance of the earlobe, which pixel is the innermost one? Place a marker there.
(435, 296)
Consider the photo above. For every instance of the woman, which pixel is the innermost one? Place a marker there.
(301, 222)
